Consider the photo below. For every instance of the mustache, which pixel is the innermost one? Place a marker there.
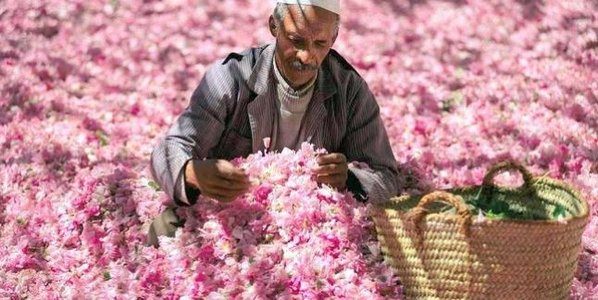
(299, 66)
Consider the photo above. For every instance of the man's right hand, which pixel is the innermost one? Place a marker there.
(217, 179)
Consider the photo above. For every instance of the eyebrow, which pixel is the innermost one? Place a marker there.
(297, 35)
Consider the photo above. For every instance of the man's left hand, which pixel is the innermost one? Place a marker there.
(332, 170)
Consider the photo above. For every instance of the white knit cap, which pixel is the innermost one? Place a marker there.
(330, 5)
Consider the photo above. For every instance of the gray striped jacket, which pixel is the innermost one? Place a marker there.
(233, 110)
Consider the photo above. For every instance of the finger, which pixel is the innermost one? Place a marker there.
(216, 183)
(227, 184)
(331, 169)
(226, 170)
(332, 158)
(226, 190)
(332, 179)
(219, 197)
(227, 199)
(212, 195)
(235, 175)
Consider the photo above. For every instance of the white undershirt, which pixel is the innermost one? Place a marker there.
(292, 105)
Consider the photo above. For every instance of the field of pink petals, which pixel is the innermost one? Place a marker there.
(88, 87)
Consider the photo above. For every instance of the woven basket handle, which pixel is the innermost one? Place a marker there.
(420, 211)
(507, 166)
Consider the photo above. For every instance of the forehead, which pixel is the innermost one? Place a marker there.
(311, 20)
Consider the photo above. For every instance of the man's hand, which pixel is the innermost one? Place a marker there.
(332, 170)
(217, 179)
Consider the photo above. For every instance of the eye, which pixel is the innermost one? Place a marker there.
(321, 44)
(296, 40)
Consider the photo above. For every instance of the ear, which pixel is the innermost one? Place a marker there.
(272, 26)
(334, 38)
(335, 35)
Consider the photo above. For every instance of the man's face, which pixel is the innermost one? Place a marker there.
(303, 40)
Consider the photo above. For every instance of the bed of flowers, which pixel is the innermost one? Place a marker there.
(88, 87)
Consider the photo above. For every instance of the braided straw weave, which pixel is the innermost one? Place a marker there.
(440, 249)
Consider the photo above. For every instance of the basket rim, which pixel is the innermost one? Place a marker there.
(584, 213)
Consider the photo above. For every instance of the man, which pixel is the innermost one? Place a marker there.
(297, 90)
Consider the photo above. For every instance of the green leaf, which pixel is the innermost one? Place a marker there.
(107, 276)
(115, 4)
(319, 284)
(153, 185)
(559, 212)
(22, 222)
(455, 99)
(492, 215)
(101, 135)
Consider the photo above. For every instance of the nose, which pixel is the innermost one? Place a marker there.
(305, 56)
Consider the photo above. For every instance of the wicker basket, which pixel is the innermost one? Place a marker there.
(441, 248)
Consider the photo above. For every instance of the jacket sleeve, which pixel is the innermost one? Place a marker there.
(196, 131)
(373, 168)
